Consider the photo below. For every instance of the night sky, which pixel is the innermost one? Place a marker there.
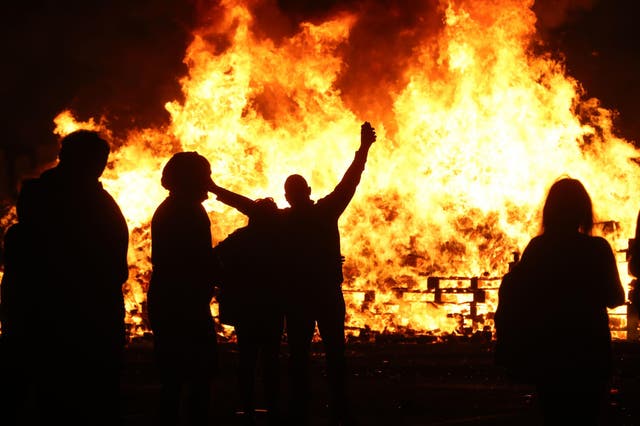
(123, 59)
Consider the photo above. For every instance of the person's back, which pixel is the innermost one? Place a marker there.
(313, 247)
(558, 293)
(181, 290)
(312, 236)
(17, 315)
(576, 280)
(16, 307)
(312, 277)
(313, 283)
(181, 286)
(251, 263)
(77, 241)
(82, 244)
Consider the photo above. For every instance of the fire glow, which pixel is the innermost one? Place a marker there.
(470, 136)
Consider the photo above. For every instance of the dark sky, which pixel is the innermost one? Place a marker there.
(123, 59)
(602, 51)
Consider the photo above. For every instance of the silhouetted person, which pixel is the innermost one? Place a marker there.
(181, 289)
(634, 256)
(251, 300)
(18, 327)
(565, 277)
(313, 280)
(72, 258)
(634, 270)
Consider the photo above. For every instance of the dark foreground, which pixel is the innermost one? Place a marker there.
(398, 383)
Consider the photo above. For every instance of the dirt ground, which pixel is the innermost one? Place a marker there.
(399, 383)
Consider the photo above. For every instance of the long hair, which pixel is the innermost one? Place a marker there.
(567, 208)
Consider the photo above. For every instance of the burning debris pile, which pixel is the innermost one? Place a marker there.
(474, 123)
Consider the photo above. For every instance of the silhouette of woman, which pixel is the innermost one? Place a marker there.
(568, 279)
(181, 289)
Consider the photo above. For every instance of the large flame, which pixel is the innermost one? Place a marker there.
(470, 137)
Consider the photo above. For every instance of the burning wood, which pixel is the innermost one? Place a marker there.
(473, 125)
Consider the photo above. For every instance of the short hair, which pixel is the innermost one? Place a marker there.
(186, 171)
(568, 207)
(85, 152)
(295, 184)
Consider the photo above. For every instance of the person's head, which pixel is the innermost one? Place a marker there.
(567, 208)
(266, 206)
(83, 154)
(266, 211)
(296, 190)
(187, 173)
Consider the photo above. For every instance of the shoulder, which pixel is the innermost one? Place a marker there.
(599, 241)
(535, 244)
(31, 187)
(108, 198)
(599, 244)
(171, 210)
(163, 210)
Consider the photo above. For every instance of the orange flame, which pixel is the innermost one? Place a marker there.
(478, 130)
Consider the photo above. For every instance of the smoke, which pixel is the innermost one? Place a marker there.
(116, 58)
(597, 40)
(380, 45)
(555, 13)
(123, 60)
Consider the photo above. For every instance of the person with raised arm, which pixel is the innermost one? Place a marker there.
(312, 279)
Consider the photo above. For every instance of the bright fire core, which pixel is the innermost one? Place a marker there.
(473, 127)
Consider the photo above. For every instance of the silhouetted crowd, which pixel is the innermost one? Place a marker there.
(66, 258)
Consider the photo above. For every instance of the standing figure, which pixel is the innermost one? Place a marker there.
(250, 299)
(19, 323)
(71, 258)
(313, 280)
(565, 276)
(181, 290)
(633, 267)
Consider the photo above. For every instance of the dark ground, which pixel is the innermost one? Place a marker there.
(397, 382)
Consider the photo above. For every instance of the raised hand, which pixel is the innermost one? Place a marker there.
(367, 135)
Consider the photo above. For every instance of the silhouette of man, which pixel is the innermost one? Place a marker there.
(72, 256)
(181, 289)
(16, 316)
(251, 300)
(313, 278)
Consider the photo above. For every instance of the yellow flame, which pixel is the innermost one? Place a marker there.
(481, 129)
(66, 123)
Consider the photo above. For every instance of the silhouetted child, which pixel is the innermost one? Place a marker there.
(181, 289)
(564, 273)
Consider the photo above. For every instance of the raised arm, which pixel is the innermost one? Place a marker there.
(344, 191)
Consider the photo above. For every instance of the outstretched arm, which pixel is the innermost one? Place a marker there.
(344, 191)
(239, 202)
